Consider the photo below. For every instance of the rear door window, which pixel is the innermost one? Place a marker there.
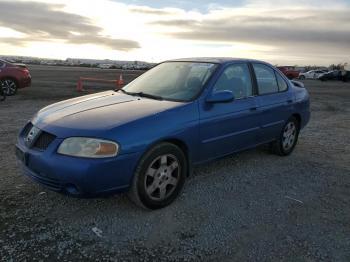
(282, 84)
(266, 79)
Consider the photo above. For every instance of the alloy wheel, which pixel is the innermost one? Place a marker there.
(289, 135)
(9, 87)
(162, 177)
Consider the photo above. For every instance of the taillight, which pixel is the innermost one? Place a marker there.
(24, 70)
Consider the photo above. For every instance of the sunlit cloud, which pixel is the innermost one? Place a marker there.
(298, 32)
(47, 22)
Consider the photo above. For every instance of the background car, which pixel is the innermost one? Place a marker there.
(13, 77)
(2, 95)
(346, 76)
(332, 75)
(289, 72)
(313, 74)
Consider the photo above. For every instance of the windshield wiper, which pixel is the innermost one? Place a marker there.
(122, 91)
(142, 94)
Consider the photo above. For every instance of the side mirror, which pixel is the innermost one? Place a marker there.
(223, 96)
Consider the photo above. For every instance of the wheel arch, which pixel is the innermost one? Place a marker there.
(11, 78)
(180, 144)
(184, 148)
(297, 116)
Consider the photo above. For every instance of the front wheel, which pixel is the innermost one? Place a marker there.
(302, 77)
(159, 177)
(288, 138)
(2, 93)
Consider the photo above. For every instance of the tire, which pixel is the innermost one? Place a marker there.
(159, 177)
(288, 138)
(10, 86)
(2, 94)
(302, 77)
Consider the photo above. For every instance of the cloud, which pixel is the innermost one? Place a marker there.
(294, 32)
(46, 22)
(119, 44)
(149, 11)
(175, 22)
(13, 41)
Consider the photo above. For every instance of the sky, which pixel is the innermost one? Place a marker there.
(280, 32)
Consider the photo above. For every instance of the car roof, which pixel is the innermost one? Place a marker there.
(215, 60)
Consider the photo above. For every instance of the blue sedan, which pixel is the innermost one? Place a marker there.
(145, 138)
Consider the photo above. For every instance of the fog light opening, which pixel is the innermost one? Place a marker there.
(72, 189)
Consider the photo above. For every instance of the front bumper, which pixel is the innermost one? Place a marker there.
(77, 176)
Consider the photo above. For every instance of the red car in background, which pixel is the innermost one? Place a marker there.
(13, 77)
(289, 72)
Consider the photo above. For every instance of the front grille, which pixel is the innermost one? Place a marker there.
(26, 129)
(43, 141)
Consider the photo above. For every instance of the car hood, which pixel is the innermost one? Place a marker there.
(102, 111)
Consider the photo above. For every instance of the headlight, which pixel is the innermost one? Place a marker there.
(88, 147)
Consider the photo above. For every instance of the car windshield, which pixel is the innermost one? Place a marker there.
(177, 81)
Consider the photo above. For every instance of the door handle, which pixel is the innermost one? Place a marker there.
(253, 109)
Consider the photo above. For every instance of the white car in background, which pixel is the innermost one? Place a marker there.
(313, 74)
(105, 66)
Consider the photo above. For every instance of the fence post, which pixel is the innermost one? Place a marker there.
(80, 85)
(120, 81)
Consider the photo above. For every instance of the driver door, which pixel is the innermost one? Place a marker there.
(233, 126)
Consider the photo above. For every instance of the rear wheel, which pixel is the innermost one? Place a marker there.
(302, 77)
(9, 87)
(288, 138)
(159, 177)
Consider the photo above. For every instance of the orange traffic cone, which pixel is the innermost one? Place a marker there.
(79, 85)
(120, 82)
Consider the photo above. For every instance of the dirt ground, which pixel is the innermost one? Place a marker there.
(252, 206)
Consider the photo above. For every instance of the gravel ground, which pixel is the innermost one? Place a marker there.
(253, 206)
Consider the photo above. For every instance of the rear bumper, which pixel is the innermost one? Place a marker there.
(25, 82)
(306, 115)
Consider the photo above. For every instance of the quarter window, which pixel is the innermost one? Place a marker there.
(266, 79)
(236, 78)
(282, 84)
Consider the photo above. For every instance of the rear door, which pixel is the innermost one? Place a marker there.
(275, 101)
(229, 127)
(317, 74)
(310, 74)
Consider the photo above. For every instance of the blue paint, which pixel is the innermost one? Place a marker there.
(209, 130)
